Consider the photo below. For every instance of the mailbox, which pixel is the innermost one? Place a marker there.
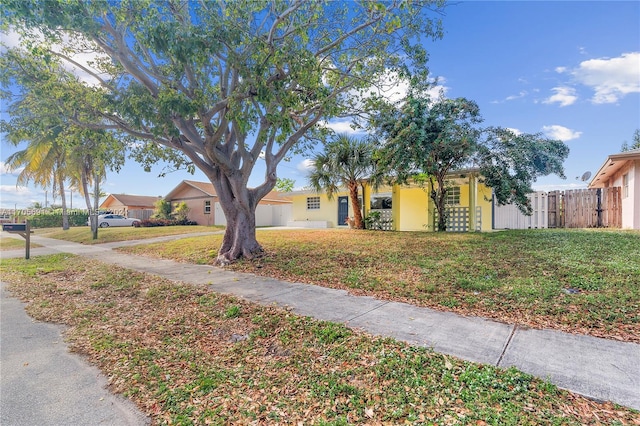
(23, 229)
(14, 227)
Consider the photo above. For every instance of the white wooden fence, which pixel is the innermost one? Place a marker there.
(509, 217)
(266, 215)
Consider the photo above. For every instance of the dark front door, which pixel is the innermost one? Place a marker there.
(343, 210)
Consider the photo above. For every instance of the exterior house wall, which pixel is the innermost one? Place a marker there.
(630, 203)
(195, 200)
(611, 174)
(412, 208)
(634, 193)
(415, 209)
(324, 217)
(116, 206)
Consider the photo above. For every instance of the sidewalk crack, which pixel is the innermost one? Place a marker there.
(506, 345)
(366, 312)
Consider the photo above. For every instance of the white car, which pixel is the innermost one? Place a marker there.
(107, 220)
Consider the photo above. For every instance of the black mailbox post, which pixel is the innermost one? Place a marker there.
(23, 229)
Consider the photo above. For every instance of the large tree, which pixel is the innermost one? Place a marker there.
(432, 138)
(58, 151)
(345, 163)
(428, 139)
(43, 162)
(223, 82)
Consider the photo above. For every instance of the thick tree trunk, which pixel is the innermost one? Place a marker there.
(355, 203)
(239, 206)
(239, 237)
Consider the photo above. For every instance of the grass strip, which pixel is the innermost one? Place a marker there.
(9, 243)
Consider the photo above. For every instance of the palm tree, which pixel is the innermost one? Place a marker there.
(346, 162)
(44, 163)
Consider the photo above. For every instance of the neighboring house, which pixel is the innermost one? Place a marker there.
(204, 208)
(402, 208)
(132, 206)
(623, 170)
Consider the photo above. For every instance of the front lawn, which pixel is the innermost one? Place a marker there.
(187, 355)
(583, 281)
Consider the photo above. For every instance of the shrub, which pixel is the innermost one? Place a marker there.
(155, 222)
(149, 223)
(54, 219)
(162, 210)
(181, 211)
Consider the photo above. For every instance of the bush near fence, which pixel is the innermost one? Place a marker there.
(54, 219)
(165, 222)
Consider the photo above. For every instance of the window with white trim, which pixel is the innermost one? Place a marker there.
(207, 207)
(625, 185)
(453, 196)
(313, 203)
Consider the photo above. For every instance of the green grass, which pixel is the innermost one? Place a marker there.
(83, 235)
(170, 348)
(582, 281)
(9, 243)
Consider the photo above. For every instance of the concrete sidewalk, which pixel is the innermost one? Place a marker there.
(597, 368)
(42, 383)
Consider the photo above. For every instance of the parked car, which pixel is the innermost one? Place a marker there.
(107, 220)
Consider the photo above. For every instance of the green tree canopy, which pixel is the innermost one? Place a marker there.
(58, 150)
(430, 139)
(224, 81)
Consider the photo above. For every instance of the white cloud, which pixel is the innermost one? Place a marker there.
(305, 166)
(78, 49)
(610, 78)
(515, 131)
(563, 95)
(15, 189)
(522, 94)
(560, 70)
(9, 39)
(341, 126)
(560, 132)
(5, 170)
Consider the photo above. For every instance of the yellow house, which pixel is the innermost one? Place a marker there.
(401, 207)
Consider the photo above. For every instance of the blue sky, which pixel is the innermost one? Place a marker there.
(570, 70)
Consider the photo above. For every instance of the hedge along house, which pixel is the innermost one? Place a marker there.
(204, 209)
(622, 170)
(401, 207)
(133, 206)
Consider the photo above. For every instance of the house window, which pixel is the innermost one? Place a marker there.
(207, 207)
(313, 203)
(381, 202)
(453, 196)
(625, 185)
